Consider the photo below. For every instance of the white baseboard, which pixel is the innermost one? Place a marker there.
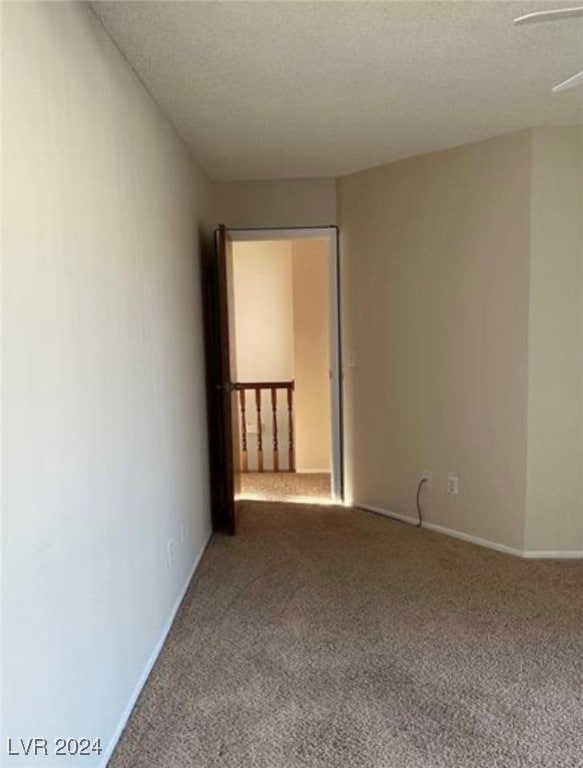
(108, 752)
(560, 554)
(386, 513)
(528, 554)
(474, 539)
(313, 471)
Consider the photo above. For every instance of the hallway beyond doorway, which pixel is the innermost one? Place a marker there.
(284, 293)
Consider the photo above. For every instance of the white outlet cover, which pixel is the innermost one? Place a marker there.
(426, 475)
(452, 485)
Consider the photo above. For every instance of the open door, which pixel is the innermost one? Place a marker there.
(221, 377)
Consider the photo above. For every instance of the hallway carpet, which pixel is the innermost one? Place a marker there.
(330, 637)
(298, 487)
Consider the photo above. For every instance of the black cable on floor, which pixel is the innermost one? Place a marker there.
(423, 480)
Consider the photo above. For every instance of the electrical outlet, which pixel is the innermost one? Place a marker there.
(452, 485)
(170, 553)
(428, 477)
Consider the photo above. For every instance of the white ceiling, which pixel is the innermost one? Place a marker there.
(265, 90)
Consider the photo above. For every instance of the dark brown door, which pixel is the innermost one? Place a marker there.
(221, 376)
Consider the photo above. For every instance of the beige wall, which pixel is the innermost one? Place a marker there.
(555, 391)
(265, 204)
(104, 433)
(435, 264)
(264, 310)
(312, 353)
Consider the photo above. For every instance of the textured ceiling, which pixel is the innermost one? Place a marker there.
(264, 90)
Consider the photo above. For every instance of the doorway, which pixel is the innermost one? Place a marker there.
(285, 319)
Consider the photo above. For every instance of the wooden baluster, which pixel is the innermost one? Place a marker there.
(259, 430)
(291, 451)
(245, 455)
(275, 441)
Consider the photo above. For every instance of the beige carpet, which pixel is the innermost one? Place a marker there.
(331, 637)
(299, 487)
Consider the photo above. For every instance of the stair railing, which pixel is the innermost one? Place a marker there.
(273, 387)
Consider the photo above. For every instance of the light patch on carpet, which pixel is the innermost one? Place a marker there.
(290, 487)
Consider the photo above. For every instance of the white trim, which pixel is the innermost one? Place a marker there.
(473, 539)
(299, 233)
(335, 368)
(527, 554)
(328, 233)
(386, 513)
(108, 752)
(322, 471)
(531, 554)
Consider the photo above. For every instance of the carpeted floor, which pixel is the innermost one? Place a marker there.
(330, 637)
(298, 487)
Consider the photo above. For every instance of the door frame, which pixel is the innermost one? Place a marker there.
(238, 234)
